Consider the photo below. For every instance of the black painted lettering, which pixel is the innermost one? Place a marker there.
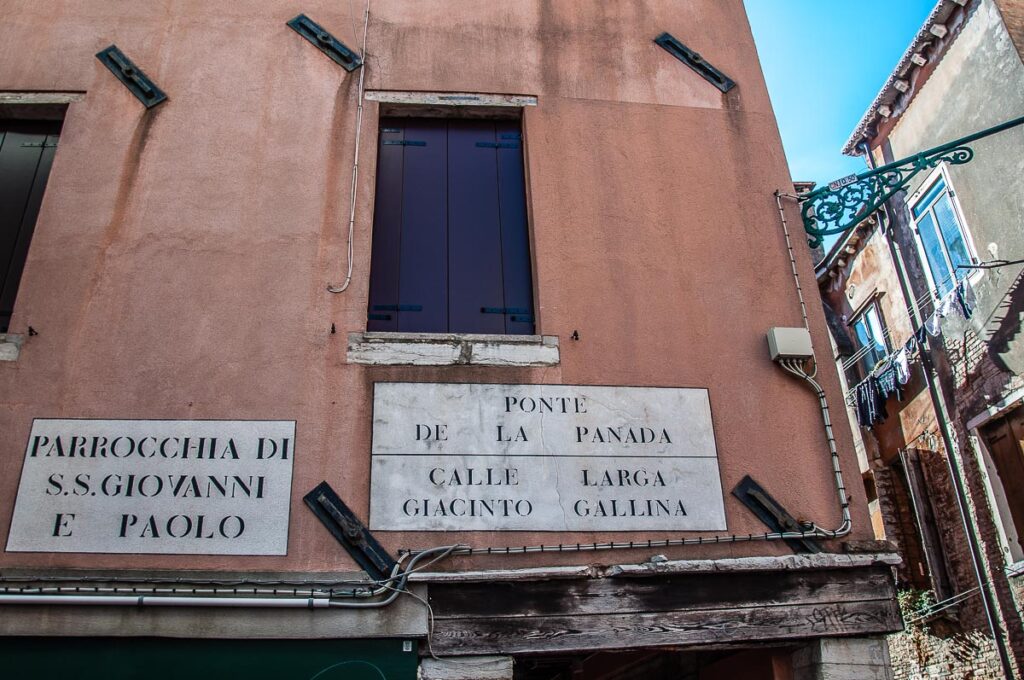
(62, 526)
(127, 521)
(56, 482)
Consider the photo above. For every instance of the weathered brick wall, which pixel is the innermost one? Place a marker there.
(917, 654)
(977, 378)
(950, 526)
(898, 519)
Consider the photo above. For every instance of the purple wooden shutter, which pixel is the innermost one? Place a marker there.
(475, 290)
(26, 155)
(387, 230)
(423, 280)
(450, 242)
(515, 239)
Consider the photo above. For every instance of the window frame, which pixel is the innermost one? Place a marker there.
(872, 303)
(941, 173)
(45, 121)
(490, 108)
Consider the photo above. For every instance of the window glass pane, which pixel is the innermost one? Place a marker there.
(875, 328)
(925, 201)
(952, 234)
(933, 250)
(870, 339)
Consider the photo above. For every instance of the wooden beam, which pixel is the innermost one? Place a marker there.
(666, 610)
(672, 629)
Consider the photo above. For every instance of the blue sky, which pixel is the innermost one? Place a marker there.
(824, 61)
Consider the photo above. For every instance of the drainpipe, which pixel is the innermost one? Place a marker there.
(948, 438)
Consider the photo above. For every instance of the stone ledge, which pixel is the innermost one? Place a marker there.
(451, 349)
(10, 346)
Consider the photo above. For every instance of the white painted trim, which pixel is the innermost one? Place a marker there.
(10, 346)
(448, 349)
(40, 97)
(451, 98)
(1009, 538)
(997, 409)
(942, 172)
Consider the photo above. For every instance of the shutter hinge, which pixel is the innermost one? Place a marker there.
(692, 59)
(144, 89)
(325, 42)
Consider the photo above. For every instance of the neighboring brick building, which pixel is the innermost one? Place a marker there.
(955, 232)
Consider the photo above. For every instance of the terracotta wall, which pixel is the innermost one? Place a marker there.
(180, 262)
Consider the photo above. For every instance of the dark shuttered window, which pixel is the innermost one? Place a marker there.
(450, 245)
(26, 154)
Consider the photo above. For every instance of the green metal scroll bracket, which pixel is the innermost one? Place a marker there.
(845, 203)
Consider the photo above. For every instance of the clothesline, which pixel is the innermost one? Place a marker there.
(942, 309)
(928, 294)
(887, 377)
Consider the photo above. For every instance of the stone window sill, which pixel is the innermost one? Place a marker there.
(10, 346)
(451, 349)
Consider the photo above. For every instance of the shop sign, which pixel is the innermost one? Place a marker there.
(543, 458)
(212, 487)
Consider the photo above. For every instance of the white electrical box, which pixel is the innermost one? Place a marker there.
(789, 343)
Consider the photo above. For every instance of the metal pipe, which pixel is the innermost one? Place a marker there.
(355, 161)
(164, 601)
(243, 602)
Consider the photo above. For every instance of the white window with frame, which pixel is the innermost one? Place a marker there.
(942, 236)
(870, 338)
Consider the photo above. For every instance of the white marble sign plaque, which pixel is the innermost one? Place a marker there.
(210, 487)
(543, 458)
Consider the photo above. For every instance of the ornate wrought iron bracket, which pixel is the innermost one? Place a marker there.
(845, 203)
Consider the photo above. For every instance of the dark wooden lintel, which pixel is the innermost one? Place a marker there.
(694, 610)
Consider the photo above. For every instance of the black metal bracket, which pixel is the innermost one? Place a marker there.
(695, 61)
(774, 516)
(325, 42)
(498, 145)
(504, 310)
(144, 89)
(398, 308)
(350, 532)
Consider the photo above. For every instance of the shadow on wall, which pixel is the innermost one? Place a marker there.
(1002, 328)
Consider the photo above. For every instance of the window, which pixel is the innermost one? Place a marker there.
(450, 244)
(26, 154)
(870, 338)
(941, 234)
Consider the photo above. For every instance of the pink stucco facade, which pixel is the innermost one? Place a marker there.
(180, 264)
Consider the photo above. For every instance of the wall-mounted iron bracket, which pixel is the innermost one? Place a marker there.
(695, 61)
(144, 89)
(843, 204)
(350, 532)
(774, 516)
(325, 42)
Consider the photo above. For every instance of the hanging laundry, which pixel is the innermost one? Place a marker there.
(870, 403)
(965, 296)
(933, 325)
(888, 384)
(946, 304)
(901, 364)
(921, 338)
(910, 345)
